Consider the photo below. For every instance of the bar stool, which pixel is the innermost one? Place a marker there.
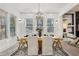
(57, 42)
(23, 42)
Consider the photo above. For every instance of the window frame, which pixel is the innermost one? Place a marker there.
(50, 25)
(12, 26)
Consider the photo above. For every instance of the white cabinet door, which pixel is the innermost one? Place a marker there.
(32, 46)
(47, 46)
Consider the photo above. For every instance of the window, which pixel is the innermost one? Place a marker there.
(50, 25)
(29, 24)
(12, 25)
(3, 27)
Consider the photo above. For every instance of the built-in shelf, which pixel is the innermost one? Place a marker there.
(66, 18)
(69, 26)
(69, 20)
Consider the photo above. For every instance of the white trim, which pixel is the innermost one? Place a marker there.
(8, 25)
(74, 25)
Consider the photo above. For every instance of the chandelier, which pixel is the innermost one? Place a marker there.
(39, 14)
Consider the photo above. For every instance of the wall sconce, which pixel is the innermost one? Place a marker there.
(19, 19)
(56, 21)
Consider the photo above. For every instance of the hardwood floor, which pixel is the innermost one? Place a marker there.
(67, 49)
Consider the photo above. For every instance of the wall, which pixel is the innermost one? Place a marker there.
(57, 25)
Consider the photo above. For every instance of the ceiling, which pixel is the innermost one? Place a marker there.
(76, 8)
(16, 8)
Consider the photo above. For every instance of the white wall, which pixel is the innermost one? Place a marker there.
(58, 25)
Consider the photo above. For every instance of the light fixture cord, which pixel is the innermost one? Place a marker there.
(39, 7)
